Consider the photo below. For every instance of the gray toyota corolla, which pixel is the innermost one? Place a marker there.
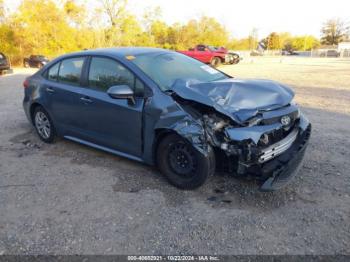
(161, 107)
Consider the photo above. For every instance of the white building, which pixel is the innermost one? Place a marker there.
(344, 49)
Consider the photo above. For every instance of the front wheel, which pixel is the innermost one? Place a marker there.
(182, 164)
(43, 125)
(26, 64)
(215, 62)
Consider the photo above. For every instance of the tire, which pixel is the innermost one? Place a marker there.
(182, 165)
(40, 65)
(235, 59)
(43, 125)
(215, 62)
(26, 64)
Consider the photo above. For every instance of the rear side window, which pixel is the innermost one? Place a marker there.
(105, 72)
(52, 73)
(70, 70)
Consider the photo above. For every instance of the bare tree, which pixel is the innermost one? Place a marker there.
(114, 9)
(253, 39)
(334, 31)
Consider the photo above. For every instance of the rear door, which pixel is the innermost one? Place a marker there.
(62, 87)
(110, 122)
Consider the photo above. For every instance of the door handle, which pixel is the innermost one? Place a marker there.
(50, 90)
(86, 99)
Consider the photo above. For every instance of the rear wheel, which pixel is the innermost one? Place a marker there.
(43, 125)
(215, 62)
(182, 164)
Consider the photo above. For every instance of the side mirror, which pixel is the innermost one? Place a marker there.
(121, 92)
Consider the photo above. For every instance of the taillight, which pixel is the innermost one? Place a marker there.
(26, 83)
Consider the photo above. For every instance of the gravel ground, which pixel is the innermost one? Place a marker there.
(66, 198)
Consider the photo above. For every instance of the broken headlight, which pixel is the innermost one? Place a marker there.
(293, 103)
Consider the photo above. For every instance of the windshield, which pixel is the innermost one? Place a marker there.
(166, 68)
(212, 48)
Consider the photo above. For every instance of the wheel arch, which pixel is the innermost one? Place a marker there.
(32, 110)
(159, 135)
(222, 59)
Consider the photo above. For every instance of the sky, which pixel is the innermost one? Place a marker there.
(298, 17)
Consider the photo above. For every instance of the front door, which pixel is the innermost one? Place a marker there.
(110, 122)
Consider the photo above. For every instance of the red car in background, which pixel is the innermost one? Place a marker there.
(212, 55)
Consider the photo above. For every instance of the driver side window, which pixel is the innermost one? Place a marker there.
(105, 72)
(201, 48)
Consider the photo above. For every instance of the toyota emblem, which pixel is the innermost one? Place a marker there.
(285, 120)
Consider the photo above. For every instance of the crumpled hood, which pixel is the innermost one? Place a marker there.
(237, 98)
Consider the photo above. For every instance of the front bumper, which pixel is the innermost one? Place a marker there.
(277, 164)
(284, 167)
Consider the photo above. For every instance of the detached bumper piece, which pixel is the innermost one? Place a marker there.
(285, 166)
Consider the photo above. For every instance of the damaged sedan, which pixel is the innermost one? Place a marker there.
(166, 109)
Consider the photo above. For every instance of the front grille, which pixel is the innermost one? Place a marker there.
(279, 147)
(274, 137)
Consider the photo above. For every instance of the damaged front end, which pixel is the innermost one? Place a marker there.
(254, 127)
(270, 152)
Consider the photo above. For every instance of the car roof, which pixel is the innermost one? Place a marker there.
(121, 52)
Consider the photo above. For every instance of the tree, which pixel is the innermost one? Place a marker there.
(205, 30)
(304, 43)
(160, 32)
(211, 32)
(2, 11)
(48, 34)
(115, 10)
(273, 41)
(75, 13)
(151, 16)
(334, 31)
(285, 40)
(253, 39)
(240, 44)
(130, 31)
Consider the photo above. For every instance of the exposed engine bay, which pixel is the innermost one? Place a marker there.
(253, 126)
